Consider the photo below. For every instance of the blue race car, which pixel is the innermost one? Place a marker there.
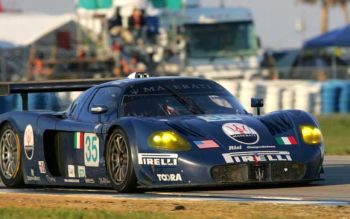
(161, 132)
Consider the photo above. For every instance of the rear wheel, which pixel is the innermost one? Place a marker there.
(119, 162)
(10, 157)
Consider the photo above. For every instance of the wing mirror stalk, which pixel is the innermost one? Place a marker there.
(99, 110)
(257, 102)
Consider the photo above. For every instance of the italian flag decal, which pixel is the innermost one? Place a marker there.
(78, 140)
(289, 140)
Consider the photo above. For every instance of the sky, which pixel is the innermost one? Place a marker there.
(275, 19)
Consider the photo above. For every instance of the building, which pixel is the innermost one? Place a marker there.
(26, 36)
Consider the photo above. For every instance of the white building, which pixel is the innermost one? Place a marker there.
(20, 32)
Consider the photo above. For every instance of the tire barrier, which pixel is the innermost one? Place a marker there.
(39, 101)
(344, 98)
(315, 97)
(330, 94)
(282, 94)
(10, 103)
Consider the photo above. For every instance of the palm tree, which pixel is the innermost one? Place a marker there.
(325, 10)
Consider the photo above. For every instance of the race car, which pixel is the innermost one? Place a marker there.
(154, 132)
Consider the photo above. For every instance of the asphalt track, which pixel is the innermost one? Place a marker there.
(334, 190)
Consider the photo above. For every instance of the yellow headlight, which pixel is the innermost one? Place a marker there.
(311, 134)
(168, 140)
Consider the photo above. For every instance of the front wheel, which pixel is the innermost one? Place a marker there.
(10, 157)
(119, 162)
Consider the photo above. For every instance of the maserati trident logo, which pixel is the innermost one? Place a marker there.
(241, 133)
(29, 142)
(259, 174)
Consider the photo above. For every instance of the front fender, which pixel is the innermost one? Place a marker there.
(280, 122)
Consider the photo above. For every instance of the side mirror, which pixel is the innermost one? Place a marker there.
(257, 102)
(98, 109)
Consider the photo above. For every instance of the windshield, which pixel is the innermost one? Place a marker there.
(170, 99)
(220, 40)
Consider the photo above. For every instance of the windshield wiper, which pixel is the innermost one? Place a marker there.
(192, 106)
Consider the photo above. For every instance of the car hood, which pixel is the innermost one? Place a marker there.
(226, 130)
(229, 131)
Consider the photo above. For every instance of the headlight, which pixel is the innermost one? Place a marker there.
(168, 140)
(311, 134)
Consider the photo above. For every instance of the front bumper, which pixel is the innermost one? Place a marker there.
(237, 175)
(264, 172)
(199, 171)
(211, 168)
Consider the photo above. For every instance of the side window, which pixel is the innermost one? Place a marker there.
(73, 109)
(106, 96)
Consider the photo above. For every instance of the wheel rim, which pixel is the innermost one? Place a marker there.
(9, 160)
(118, 158)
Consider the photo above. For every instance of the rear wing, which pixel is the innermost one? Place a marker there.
(26, 88)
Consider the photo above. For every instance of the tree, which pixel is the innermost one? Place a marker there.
(326, 4)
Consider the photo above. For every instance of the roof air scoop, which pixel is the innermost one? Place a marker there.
(138, 75)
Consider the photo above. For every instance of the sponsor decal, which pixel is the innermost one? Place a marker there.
(50, 179)
(89, 181)
(104, 181)
(42, 167)
(71, 180)
(289, 140)
(170, 110)
(241, 133)
(78, 140)
(240, 147)
(257, 156)
(219, 118)
(32, 176)
(176, 177)
(234, 147)
(206, 144)
(261, 147)
(71, 171)
(81, 172)
(29, 142)
(91, 150)
(157, 159)
(132, 90)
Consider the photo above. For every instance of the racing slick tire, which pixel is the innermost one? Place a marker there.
(119, 162)
(10, 157)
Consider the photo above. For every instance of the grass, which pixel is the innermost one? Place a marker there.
(67, 213)
(237, 211)
(336, 133)
(30, 206)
